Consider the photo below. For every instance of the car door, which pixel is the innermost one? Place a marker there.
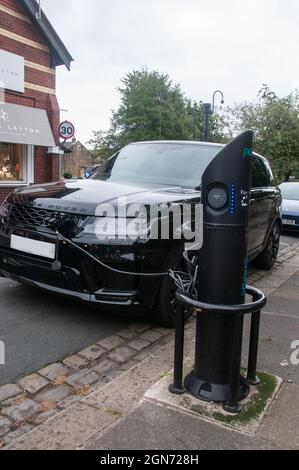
(260, 204)
(274, 198)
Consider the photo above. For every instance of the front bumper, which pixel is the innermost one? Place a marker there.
(81, 278)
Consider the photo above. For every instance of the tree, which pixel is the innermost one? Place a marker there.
(275, 123)
(152, 108)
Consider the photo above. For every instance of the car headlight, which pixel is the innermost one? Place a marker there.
(4, 209)
(117, 228)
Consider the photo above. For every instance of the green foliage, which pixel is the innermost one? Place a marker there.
(153, 108)
(275, 122)
(67, 176)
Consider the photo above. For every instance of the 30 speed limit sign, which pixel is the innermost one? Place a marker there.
(66, 130)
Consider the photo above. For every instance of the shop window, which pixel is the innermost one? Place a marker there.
(13, 163)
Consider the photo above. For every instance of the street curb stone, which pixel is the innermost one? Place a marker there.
(53, 371)
(33, 383)
(9, 391)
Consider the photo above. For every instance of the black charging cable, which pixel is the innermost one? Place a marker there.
(96, 260)
(185, 281)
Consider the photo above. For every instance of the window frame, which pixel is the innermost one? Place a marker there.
(28, 164)
(268, 183)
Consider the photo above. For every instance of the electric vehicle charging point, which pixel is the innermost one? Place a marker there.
(221, 291)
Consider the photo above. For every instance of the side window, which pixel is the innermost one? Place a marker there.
(270, 177)
(260, 178)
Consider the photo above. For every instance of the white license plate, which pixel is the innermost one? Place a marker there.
(289, 222)
(34, 247)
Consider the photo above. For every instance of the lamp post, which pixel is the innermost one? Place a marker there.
(159, 99)
(209, 111)
(196, 112)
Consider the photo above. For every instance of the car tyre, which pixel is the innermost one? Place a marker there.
(268, 256)
(164, 312)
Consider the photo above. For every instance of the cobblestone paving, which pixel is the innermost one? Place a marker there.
(40, 396)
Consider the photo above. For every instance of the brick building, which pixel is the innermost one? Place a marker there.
(76, 159)
(30, 51)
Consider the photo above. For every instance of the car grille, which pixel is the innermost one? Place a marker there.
(33, 217)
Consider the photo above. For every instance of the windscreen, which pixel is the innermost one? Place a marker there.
(174, 164)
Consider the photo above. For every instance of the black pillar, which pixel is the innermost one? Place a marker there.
(226, 186)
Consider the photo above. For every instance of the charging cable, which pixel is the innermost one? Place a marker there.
(96, 260)
(185, 281)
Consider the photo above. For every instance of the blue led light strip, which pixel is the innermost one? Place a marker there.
(232, 204)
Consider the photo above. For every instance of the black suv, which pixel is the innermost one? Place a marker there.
(147, 173)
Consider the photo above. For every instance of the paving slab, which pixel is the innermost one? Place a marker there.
(22, 411)
(76, 362)
(106, 369)
(154, 427)
(138, 344)
(4, 426)
(282, 423)
(93, 352)
(122, 354)
(285, 300)
(9, 391)
(254, 407)
(276, 336)
(17, 433)
(151, 335)
(53, 371)
(54, 394)
(81, 378)
(58, 434)
(111, 342)
(141, 326)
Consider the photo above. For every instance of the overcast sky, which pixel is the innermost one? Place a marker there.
(232, 45)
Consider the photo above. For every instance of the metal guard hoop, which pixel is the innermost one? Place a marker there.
(258, 297)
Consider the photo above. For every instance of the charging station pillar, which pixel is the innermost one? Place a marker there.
(226, 193)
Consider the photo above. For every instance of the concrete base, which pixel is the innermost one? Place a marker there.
(248, 421)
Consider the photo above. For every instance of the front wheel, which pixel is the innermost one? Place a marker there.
(268, 256)
(164, 312)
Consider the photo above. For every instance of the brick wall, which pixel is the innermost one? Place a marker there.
(19, 36)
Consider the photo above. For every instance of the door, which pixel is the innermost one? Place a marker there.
(260, 204)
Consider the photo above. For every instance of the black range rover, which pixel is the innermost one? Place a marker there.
(147, 173)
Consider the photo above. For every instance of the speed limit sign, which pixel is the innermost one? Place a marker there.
(66, 130)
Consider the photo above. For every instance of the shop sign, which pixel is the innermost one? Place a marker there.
(12, 75)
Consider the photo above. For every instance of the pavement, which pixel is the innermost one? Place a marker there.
(59, 409)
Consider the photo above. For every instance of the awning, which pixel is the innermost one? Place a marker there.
(24, 125)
